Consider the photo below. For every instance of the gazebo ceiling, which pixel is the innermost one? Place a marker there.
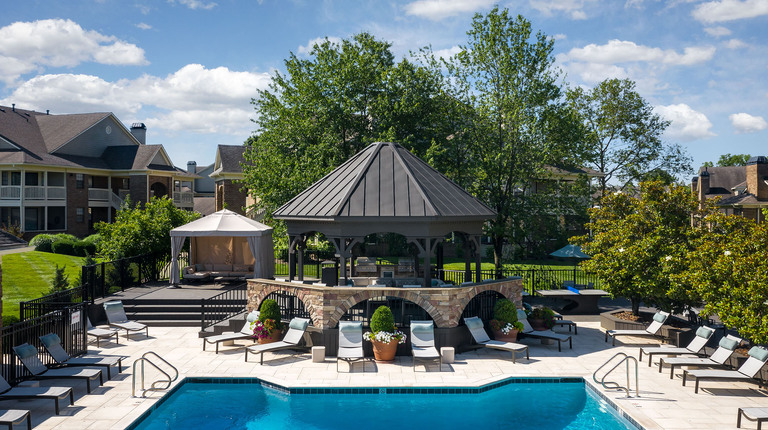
(384, 188)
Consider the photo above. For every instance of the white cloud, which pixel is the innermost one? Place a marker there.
(572, 8)
(306, 49)
(686, 123)
(717, 31)
(746, 123)
(197, 4)
(32, 46)
(729, 10)
(143, 26)
(560, 36)
(437, 10)
(447, 53)
(621, 51)
(172, 102)
(735, 44)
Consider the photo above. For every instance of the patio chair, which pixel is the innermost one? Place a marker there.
(297, 330)
(528, 331)
(703, 334)
(423, 343)
(102, 333)
(753, 414)
(11, 417)
(559, 321)
(244, 333)
(350, 343)
(718, 358)
(28, 356)
(26, 393)
(52, 343)
(652, 330)
(475, 326)
(747, 372)
(117, 318)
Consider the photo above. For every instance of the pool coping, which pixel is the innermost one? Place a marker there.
(389, 390)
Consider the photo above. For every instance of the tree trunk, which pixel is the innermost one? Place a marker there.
(498, 248)
(636, 306)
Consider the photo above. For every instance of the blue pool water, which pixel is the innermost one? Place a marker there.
(251, 406)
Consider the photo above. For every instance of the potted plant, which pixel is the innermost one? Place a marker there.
(542, 318)
(268, 328)
(504, 324)
(383, 335)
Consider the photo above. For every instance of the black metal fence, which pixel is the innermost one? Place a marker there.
(50, 303)
(533, 279)
(108, 277)
(223, 306)
(68, 323)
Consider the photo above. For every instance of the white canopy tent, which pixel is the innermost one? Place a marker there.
(221, 236)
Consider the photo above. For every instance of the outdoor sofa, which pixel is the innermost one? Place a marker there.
(205, 271)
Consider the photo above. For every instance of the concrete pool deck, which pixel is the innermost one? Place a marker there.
(664, 403)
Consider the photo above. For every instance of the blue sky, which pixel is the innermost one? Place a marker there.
(188, 68)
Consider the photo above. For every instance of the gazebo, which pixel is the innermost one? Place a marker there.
(225, 237)
(385, 188)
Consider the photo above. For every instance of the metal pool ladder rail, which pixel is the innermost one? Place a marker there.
(614, 384)
(157, 385)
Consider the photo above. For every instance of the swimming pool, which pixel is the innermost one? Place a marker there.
(515, 403)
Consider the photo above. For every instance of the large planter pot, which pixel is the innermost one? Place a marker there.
(384, 352)
(274, 337)
(537, 324)
(509, 337)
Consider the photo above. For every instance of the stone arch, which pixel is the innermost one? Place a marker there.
(301, 294)
(360, 296)
(506, 289)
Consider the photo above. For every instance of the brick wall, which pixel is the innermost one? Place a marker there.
(77, 198)
(228, 192)
(138, 187)
(326, 305)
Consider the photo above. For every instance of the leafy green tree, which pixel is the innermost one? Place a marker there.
(728, 270)
(513, 121)
(729, 160)
(326, 108)
(623, 135)
(639, 245)
(60, 280)
(138, 231)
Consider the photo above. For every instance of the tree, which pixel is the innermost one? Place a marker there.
(730, 160)
(638, 245)
(623, 135)
(326, 108)
(729, 271)
(60, 280)
(138, 231)
(513, 123)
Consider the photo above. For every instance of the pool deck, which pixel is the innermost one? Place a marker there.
(663, 403)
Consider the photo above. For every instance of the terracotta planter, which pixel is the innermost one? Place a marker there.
(509, 337)
(274, 337)
(537, 324)
(384, 352)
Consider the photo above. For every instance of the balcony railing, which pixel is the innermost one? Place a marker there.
(34, 193)
(56, 193)
(183, 198)
(10, 192)
(99, 194)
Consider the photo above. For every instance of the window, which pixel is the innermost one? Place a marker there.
(11, 178)
(126, 184)
(79, 183)
(80, 213)
(32, 179)
(56, 217)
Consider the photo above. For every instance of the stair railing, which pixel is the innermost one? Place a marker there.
(223, 306)
(613, 384)
(157, 385)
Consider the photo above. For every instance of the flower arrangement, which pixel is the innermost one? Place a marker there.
(545, 314)
(505, 317)
(383, 327)
(269, 320)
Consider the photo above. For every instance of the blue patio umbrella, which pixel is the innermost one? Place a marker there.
(571, 252)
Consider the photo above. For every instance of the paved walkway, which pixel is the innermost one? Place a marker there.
(664, 403)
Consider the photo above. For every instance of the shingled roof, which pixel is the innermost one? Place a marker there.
(384, 180)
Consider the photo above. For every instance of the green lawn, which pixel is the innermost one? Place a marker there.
(27, 275)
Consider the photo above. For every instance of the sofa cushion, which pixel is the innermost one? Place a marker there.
(208, 267)
(199, 267)
(222, 267)
(239, 268)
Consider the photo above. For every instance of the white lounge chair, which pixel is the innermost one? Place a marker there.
(52, 343)
(102, 333)
(297, 330)
(350, 343)
(11, 417)
(28, 356)
(23, 393)
(475, 326)
(757, 358)
(244, 333)
(423, 343)
(718, 358)
(703, 334)
(652, 330)
(753, 414)
(117, 318)
(528, 331)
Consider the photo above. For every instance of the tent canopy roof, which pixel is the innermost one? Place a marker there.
(223, 223)
(570, 251)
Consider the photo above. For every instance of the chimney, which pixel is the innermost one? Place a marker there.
(139, 131)
(757, 174)
(703, 185)
(47, 111)
(13, 107)
(695, 185)
(191, 166)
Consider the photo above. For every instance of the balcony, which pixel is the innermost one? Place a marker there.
(13, 192)
(10, 192)
(183, 199)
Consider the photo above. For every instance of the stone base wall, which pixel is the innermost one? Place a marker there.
(326, 305)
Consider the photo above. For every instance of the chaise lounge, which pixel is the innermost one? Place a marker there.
(475, 326)
(747, 372)
(297, 330)
(102, 333)
(245, 333)
(52, 343)
(652, 330)
(117, 318)
(28, 356)
(26, 393)
(703, 334)
(528, 331)
(718, 358)
(423, 343)
(350, 343)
